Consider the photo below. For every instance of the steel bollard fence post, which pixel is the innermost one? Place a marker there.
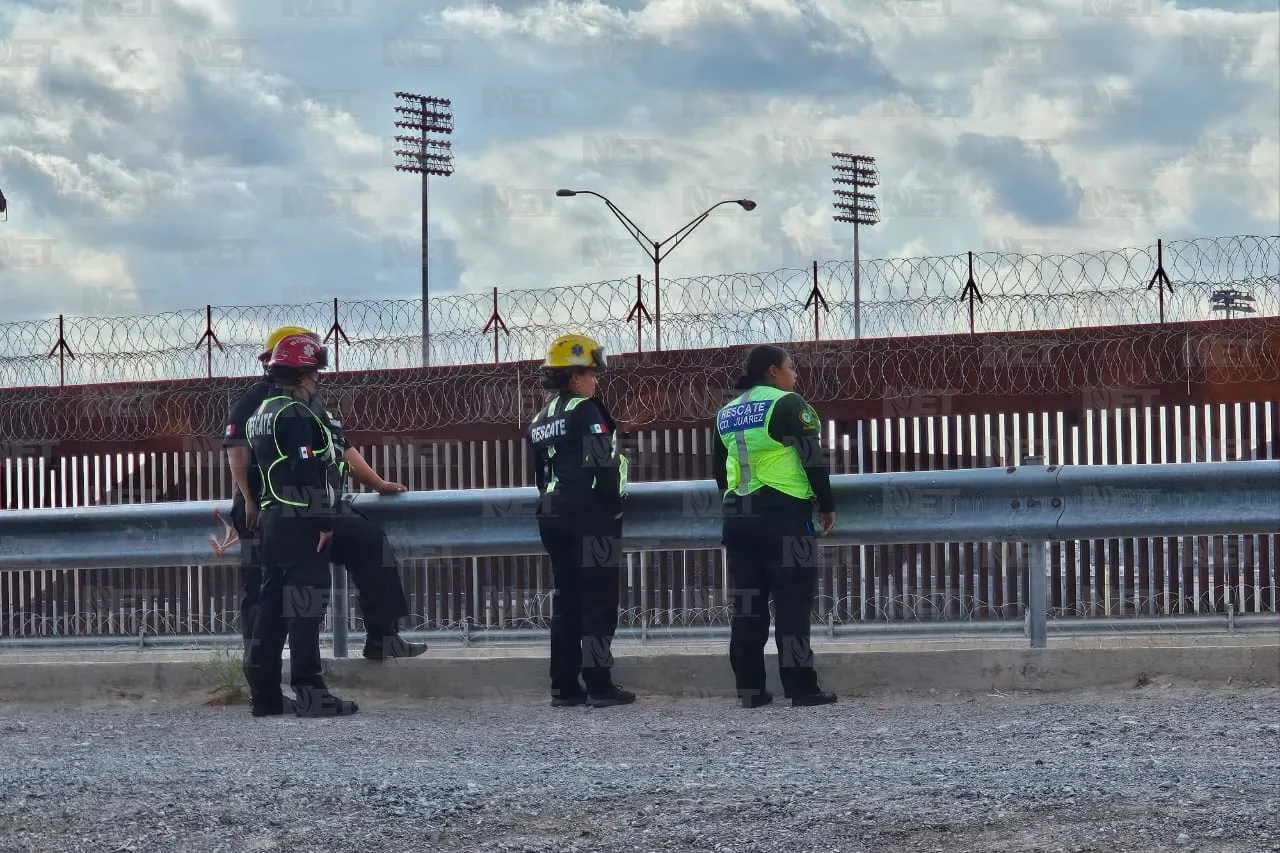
(339, 598)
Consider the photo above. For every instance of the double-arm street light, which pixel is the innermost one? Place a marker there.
(657, 250)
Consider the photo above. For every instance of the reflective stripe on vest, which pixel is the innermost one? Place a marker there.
(553, 409)
(269, 496)
(755, 458)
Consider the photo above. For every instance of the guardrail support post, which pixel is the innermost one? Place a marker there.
(1037, 581)
(340, 609)
(1037, 589)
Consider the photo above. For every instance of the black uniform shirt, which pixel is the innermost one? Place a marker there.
(318, 406)
(575, 448)
(795, 424)
(302, 461)
(233, 434)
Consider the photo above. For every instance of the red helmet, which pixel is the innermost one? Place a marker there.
(301, 352)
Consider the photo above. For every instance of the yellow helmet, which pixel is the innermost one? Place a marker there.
(575, 351)
(277, 336)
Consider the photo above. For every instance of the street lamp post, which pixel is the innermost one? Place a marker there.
(426, 157)
(4, 207)
(858, 170)
(657, 250)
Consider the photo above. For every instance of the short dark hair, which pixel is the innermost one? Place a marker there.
(759, 361)
(558, 378)
(289, 375)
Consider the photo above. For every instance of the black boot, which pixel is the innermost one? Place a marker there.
(610, 696)
(568, 698)
(391, 645)
(755, 698)
(809, 699)
(275, 706)
(319, 702)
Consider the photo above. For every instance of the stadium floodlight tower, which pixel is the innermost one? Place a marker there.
(1231, 302)
(425, 156)
(857, 170)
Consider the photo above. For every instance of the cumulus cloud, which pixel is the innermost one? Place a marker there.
(161, 155)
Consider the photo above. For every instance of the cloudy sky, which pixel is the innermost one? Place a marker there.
(159, 155)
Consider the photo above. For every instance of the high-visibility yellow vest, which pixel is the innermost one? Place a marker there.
(756, 459)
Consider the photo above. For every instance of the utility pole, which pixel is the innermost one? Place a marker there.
(425, 156)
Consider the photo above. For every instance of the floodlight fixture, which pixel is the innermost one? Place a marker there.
(425, 156)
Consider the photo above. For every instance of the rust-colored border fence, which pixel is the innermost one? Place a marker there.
(1167, 391)
(895, 584)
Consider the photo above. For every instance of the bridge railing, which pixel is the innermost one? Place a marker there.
(1028, 511)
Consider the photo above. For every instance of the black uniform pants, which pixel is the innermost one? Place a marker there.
(364, 550)
(250, 568)
(360, 546)
(295, 592)
(586, 561)
(772, 552)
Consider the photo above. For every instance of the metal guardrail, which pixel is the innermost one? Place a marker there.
(1031, 503)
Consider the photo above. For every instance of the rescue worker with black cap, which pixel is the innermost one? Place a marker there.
(302, 480)
(582, 479)
(771, 467)
(360, 545)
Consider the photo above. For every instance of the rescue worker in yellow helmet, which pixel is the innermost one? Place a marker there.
(363, 550)
(771, 467)
(581, 477)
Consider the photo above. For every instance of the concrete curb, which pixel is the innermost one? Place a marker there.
(686, 672)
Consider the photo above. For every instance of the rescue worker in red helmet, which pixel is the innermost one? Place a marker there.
(302, 479)
(365, 551)
(582, 479)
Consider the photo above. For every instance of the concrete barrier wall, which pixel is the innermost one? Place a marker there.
(700, 670)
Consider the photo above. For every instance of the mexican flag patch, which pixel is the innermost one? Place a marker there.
(599, 429)
(305, 453)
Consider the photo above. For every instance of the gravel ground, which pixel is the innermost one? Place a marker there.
(1162, 767)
